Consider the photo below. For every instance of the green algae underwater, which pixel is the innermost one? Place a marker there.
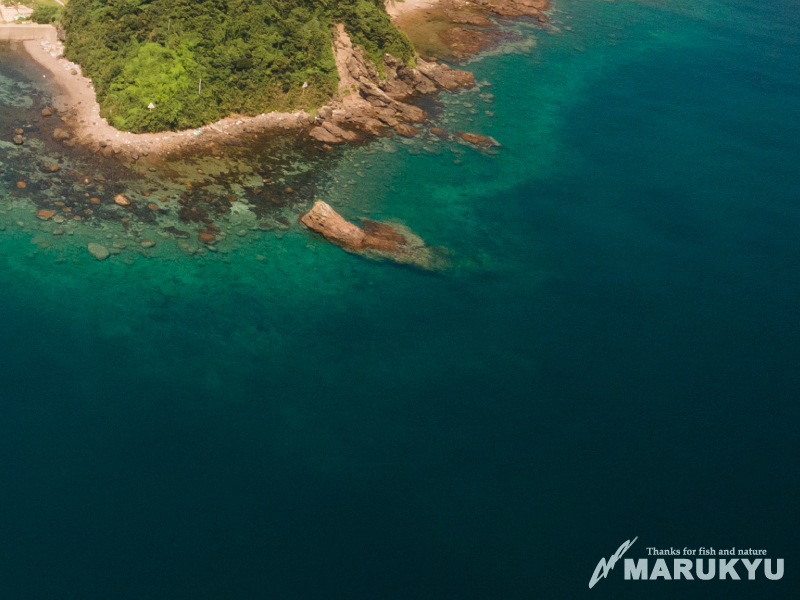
(612, 354)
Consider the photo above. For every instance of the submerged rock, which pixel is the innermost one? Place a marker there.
(60, 135)
(467, 17)
(484, 141)
(122, 200)
(98, 251)
(374, 240)
(177, 232)
(463, 42)
(45, 215)
(206, 237)
(18, 140)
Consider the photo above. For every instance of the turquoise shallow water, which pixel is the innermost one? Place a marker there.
(612, 355)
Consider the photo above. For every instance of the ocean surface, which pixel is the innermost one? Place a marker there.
(615, 351)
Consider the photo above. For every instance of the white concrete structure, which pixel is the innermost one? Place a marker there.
(28, 31)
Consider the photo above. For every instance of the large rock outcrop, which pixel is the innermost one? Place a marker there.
(323, 219)
(374, 239)
(367, 104)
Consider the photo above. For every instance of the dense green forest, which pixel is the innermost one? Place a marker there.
(45, 13)
(252, 57)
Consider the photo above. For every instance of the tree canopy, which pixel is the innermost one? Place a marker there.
(252, 57)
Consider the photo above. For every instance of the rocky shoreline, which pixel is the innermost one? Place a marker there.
(370, 105)
(140, 191)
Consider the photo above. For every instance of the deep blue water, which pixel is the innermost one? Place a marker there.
(615, 355)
